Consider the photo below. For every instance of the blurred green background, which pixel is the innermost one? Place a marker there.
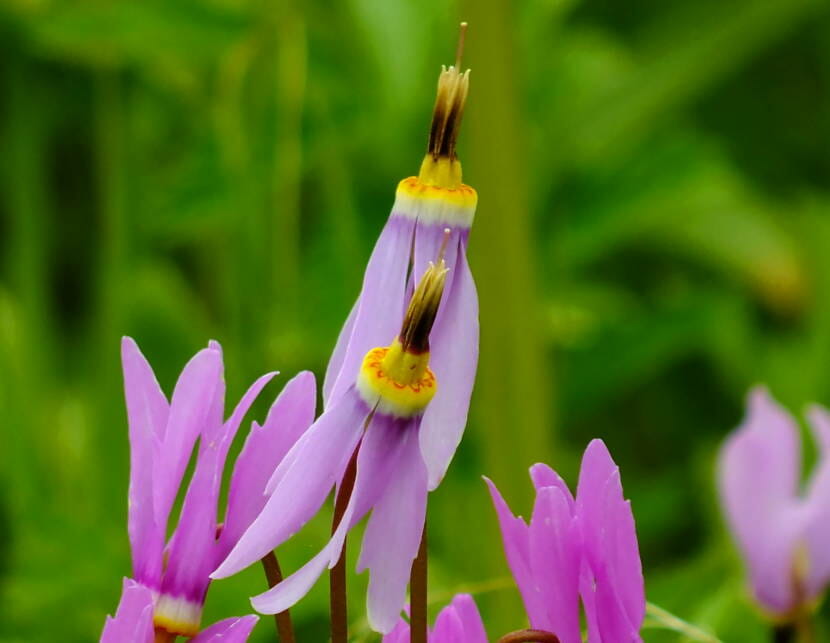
(653, 237)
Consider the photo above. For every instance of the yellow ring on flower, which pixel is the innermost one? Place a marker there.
(388, 396)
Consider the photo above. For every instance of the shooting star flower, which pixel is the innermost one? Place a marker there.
(584, 547)
(782, 532)
(162, 438)
(458, 622)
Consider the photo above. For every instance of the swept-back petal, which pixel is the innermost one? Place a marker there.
(231, 630)
(339, 352)
(543, 476)
(393, 534)
(189, 409)
(379, 455)
(448, 628)
(289, 417)
(758, 471)
(468, 614)
(147, 412)
(381, 303)
(133, 621)
(305, 478)
(817, 531)
(453, 358)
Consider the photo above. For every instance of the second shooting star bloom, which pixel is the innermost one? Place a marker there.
(577, 547)
(782, 532)
(425, 206)
(380, 415)
(163, 435)
(458, 622)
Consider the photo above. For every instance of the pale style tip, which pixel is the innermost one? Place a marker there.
(459, 52)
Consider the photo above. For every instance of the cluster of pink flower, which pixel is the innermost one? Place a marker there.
(393, 416)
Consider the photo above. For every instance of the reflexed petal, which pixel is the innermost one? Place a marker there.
(290, 415)
(555, 560)
(306, 476)
(762, 510)
(543, 476)
(817, 532)
(133, 621)
(393, 535)
(147, 411)
(381, 304)
(448, 628)
(468, 613)
(453, 358)
(379, 455)
(339, 353)
(400, 633)
(189, 408)
(231, 630)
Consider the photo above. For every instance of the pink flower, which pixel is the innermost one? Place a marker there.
(458, 622)
(783, 533)
(577, 548)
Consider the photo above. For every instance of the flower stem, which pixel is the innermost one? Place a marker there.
(337, 575)
(529, 636)
(273, 573)
(418, 593)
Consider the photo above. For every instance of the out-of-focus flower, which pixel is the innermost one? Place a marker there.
(162, 438)
(783, 533)
(380, 415)
(425, 206)
(584, 547)
(458, 622)
(133, 622)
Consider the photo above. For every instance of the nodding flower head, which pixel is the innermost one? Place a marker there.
(396, 379)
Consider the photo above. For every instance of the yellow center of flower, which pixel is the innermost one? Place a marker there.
(396, 381)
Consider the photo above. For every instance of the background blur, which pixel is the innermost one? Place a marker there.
(653, 237)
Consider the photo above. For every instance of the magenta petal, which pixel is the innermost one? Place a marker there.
(381, 304)
(543, 476)
(290, 416)
(470, 618)
(339, 353)
(393, 535)
(231, 630)
(448, 628)
(817, 533)
(555, 560)
(453, 358)
(189, 408)
(761, 509)
(379, 455)
(147, 412)
(133, 621)
(399, 634)
(309, 471)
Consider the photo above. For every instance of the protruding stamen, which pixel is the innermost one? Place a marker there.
(459, 52)
(423, 307)
(443, 249)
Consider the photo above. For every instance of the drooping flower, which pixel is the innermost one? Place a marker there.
(782, 532)
(133, 622)
(380, 416)
(458, 622)
(425, 206)
(162, 438)
(577, 548)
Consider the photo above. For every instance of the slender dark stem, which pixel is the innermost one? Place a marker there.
(529, 636)
(337, 575)
(418, 594)
(285, 630)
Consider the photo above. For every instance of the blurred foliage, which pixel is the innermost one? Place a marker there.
(652, 239)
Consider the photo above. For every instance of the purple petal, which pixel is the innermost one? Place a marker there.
(339, 353)
(453, 358)
(192, 550)
(393, 535)
(399, 634)
(381, 304)
(231, 630)
(817, 533)
(448, 628)
(470, 618)
(133, 620)
(379, 456)
(555, 561)
(189, 408)
(290, 416)
(306, 475)
(543, 476)
(758, 476)
(147, 411)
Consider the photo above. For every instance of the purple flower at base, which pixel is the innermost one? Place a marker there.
(425, 207)
(782, 533)
(380, 416)
(458, 622)
(577, 548)
(133, 622)
(162, 438)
